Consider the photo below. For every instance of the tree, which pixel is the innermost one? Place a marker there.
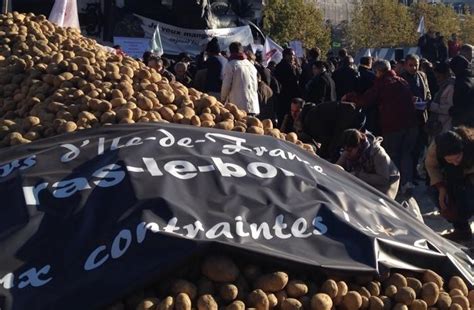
(288, 20)
(381, 23)
(438, 17)
(467, 29)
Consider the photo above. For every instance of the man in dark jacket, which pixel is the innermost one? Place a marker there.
(321, 87)
(345, 77)
(366, 75)
(307, 74)
(397, 118)
(215, 68)
(419, 87)
(287, 73)
(462, 111)
(427, 45)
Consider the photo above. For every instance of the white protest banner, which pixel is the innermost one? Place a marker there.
(297, 46)
(176, 40)
(64, 14)
(133, 47)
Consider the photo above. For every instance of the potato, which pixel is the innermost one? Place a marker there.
(255, 130)
(460, 300)
(470, 297)
(390, 291)
(352, 300)
(400, 307)
(329, 287)
(322, 301)
(272, 300)
(184, 286)
(281, 296)
(364, 292)
(236, 305)
(396, 279)
(444, 301)
(272, 282)
(415, 284)
(207, 302)
(291, 304)
(228, 292)
(455, 307)
(296, 288)
(67, 127)
(148, 304)
(226, 125)
(166, 113)
(405, 295)
(220, 269)
(167, 304)
(342, 290)
(183, 302)
(456, 292)
(418, 304)
(430, 293)
(375, 303)
(387, 302)
(259, 300)
(374, 288)
(208, 124)
(431, 276)
(458, 283)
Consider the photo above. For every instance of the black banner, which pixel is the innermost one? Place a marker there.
(93, 213)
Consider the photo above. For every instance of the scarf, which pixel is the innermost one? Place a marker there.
(237, 56)
(363, 155)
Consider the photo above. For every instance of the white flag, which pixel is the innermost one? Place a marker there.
(271, 51)
(155, 43)
(64, 14)
(421, 26)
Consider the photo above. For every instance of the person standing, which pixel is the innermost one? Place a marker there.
(321, 87)
(396, 117)
(427, 45)
(345, 77)
(462, 111)
(439, 120)
(365, 82)
(240, 84)
(215, 68)
(307, 74)
(441, 48)
(287, 73)
(419, 87)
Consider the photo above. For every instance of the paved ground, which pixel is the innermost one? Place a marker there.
(426, 199)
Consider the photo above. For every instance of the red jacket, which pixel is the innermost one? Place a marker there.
(392, 95)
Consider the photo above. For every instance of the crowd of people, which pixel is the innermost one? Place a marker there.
(380, 120)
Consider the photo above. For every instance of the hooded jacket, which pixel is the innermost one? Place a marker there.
(378, 170)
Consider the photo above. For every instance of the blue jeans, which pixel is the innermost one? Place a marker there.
(399, 146)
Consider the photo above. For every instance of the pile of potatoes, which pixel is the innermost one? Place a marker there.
(218, 283)
(54, 81)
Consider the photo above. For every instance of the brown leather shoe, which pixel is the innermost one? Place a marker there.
(459, 235)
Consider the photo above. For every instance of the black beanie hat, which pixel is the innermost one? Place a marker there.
(213, 46)
(449, 143)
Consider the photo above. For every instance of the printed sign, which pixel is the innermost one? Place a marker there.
(90, 214)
